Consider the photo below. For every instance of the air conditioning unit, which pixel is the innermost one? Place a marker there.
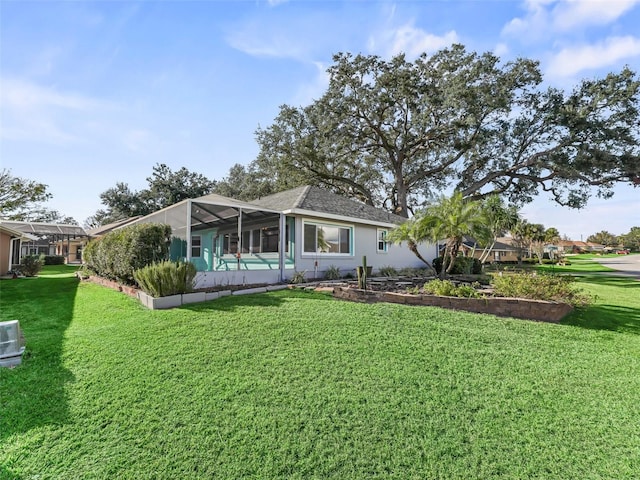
(11, 344)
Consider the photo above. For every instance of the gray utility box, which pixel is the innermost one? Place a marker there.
(11, 344)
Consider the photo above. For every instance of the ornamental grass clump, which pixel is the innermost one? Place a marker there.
(540, 286)
(166, 278)
(332, 273)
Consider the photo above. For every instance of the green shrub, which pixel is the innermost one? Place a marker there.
(332, 273)
(447, 288)
(298, 277)
(540, 286)
(388, 271)
(54, 259)
(119, 253)
(166, 278)
(31, 265)
(461, 266)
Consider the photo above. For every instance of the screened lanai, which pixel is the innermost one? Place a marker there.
(51, 239)
(228, 240)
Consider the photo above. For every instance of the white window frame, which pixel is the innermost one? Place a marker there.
(351, 229)
(381, 237)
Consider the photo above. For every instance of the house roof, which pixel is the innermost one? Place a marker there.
(311, 200)
(502, 243)
(44, 229)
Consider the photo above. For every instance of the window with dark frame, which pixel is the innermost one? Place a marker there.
(196, 246)
(326, 239)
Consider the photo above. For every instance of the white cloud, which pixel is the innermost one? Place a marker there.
(410, 40)
(552, 16)
(532, 25)
(20, 94)
(575, 13)
(139, 140)
(501, 49)
(32, 112)
(572, 60)
(414, 41)
(257, 40)
(313, 90)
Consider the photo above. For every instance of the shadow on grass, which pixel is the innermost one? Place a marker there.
(33, 394)
(614, 318)
(262, 300)
(608, 279)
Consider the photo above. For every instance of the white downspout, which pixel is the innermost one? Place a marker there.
(283, 244)
(239, 252)
(11, 250)
(189, 230)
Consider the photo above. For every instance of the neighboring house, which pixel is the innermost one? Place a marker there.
(51, 239)
(268, 240)
(10, 245)
(595, 247)
(576, 246)
(503, 250)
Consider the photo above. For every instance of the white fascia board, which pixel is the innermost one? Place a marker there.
(339, 218)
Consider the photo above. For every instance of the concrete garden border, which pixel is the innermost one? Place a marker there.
(172, 301)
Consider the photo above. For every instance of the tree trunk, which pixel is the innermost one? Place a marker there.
(402, 208)
(413, 246)
(454, 253)
(487, 251)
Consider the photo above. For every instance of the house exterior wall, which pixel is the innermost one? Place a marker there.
(71, 250)
(5, 253)
(364, 243)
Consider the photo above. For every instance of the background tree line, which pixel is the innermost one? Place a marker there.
(394, 133)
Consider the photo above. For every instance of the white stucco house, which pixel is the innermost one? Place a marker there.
(306, 229)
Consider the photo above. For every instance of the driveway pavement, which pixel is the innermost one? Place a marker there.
(627, 265)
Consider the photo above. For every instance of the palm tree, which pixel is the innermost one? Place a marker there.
(500, 219)
(450, 218)
(406, 233)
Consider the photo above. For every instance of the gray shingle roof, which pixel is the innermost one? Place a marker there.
(319, 200)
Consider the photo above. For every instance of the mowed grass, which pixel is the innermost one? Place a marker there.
(293, 384)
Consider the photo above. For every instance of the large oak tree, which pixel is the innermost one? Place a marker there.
(393, 132)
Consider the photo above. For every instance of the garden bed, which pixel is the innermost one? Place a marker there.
(539, 310)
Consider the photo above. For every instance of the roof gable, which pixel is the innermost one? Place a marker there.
(315, 199)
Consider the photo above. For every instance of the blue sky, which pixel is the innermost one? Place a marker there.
(93, 93)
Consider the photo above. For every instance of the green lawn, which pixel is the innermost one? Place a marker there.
(293, 384)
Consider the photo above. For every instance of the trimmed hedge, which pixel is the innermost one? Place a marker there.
(119, 253)
(54, 259)
(462, 266)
